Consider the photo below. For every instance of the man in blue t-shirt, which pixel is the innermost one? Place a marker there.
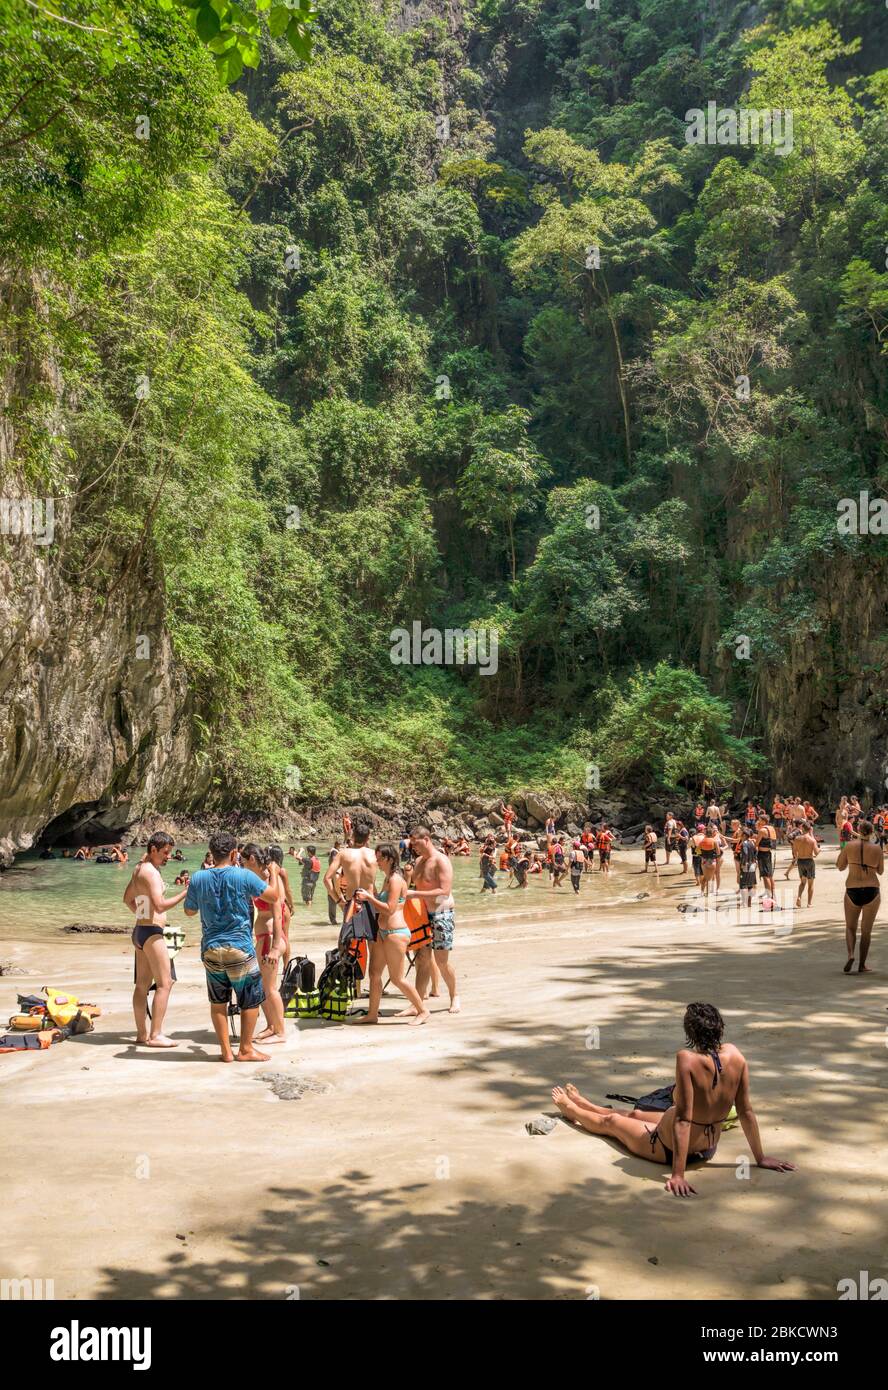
(223, 895)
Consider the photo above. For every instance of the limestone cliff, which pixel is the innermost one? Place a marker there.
(93, 707)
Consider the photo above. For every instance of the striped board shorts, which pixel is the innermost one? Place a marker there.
(229, 968)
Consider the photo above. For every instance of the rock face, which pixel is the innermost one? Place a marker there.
(96, 737)
(94, 723)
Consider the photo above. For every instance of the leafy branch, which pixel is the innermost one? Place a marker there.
(232, 33)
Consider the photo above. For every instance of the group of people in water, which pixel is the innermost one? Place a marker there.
(243, 897)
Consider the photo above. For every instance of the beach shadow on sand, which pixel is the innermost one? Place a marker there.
(814, 1040)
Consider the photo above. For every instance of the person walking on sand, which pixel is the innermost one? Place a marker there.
(736, 835)
(766, 845)
(223, 897)
(144, 896)
(650, 849)
(710, 857)
(711, 1076)
(865, 863)
(433, 881)
(696, 843)
(682, 837)
(747, 863)
(393, 937)
(805, 850)
(670, 828)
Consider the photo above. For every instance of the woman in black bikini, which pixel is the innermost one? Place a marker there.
(864, 862)
(710, 1077)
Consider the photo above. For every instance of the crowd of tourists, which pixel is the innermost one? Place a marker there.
(387, 893)
(244, 899)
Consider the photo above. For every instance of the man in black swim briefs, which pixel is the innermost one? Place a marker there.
(805, 850)
(144, 896)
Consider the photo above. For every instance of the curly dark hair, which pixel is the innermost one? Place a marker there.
(704, 1027)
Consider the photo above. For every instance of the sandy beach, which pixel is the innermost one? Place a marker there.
(404, 1171)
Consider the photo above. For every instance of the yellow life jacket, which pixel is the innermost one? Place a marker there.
(61, 1005)
(28, 1023)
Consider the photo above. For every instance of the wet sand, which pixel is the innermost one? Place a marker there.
(406, 1172)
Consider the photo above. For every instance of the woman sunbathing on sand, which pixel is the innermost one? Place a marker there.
(710, 1077)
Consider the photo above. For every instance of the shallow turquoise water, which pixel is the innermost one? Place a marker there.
(40, 896)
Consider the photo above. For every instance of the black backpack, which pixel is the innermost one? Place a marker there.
(656, 1100)
(299, 976)
(340, 973)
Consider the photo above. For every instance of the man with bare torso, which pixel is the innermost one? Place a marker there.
(805, 850)
(145, 897)
(355, 867)
(433, 882)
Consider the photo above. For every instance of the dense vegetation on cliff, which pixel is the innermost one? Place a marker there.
(336, 365)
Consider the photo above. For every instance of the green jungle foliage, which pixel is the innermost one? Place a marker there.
(330, 367)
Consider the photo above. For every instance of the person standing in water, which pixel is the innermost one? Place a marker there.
(144, 896)
(605, 842)
(650, 849)
(865, 863)
(311, 872)
(487, 867)
(393, 938)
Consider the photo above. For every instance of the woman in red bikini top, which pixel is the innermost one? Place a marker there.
(276, 853)
(255, 858)
(268, 928)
